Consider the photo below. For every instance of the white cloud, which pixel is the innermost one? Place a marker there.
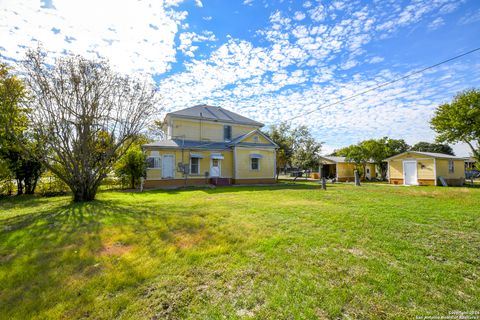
(471, 17)
(188, 38)
(375, 60)
(134, 36)
(318, 13)
(307, 4)
(298, 65)
(299, 16)
(199, 3)
(435, 24)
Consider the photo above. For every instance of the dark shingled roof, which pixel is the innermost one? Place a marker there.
(188, 144)
(200, 145)
(214, 114)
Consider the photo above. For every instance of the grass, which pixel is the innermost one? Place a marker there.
(286, 252)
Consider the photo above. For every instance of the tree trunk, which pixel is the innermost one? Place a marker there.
(19, 187)
(133, 182)
(84, 193)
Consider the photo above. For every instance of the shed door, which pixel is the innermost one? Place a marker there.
(167, 166)
(410, 172)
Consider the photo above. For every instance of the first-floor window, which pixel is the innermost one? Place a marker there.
(153, 162)
(194, 165)
(254, 163)
(451, 166)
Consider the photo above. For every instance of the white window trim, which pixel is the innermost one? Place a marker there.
(163, 157)
(231, 132)
(159, 162)
(453, 166)
(416, 172)
(199, 168)
(258, 162)
(219, 168)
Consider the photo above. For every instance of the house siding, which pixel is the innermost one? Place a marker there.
(428, 169)
(205, 130)
(345, 171)
(198, 135)
(425, 167)
(261, 139)
(455, 178)
(226, 164)
(266, 163)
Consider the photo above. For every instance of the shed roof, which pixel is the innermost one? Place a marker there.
(429, 154)
(214, 113)
(339, 159)
(188, 144)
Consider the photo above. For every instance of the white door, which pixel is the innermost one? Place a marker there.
(215, 168)
(410, 172)
(168, 166)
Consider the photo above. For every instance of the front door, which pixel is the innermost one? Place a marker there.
(410, 172)
(215, 168)
(168, 166)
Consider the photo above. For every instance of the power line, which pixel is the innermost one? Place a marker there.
(369, 89)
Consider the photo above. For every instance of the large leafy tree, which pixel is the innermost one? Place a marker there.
(306, 149)
(25, 168)
(357, 154)
(433, 147)
(282, 135)
(459, 121)
(375, 150)
(87, 115)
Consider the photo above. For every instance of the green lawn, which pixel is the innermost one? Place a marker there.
(286, 252)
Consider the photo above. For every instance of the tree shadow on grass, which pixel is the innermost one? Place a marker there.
(244, 188)
(55, 254)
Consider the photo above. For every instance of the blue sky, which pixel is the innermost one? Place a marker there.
(273, 60)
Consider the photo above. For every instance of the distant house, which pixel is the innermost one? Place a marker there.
(343, 170)
(210, 145)
(470, 163)
(425, 168)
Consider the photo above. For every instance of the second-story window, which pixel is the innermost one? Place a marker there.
(227, 133)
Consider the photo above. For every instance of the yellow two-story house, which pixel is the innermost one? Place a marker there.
(210, 145)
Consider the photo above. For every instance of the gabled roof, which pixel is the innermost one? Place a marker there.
(205, 145)
(212, 113)
(428, 154)
(238, 140)
(334, 159)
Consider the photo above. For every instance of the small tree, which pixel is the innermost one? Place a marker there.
(433, 147)
(131, 166)
(87, 115)
(306, 149)
(25, 168)
(282, 135)
(459, 121)
(358, 155)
